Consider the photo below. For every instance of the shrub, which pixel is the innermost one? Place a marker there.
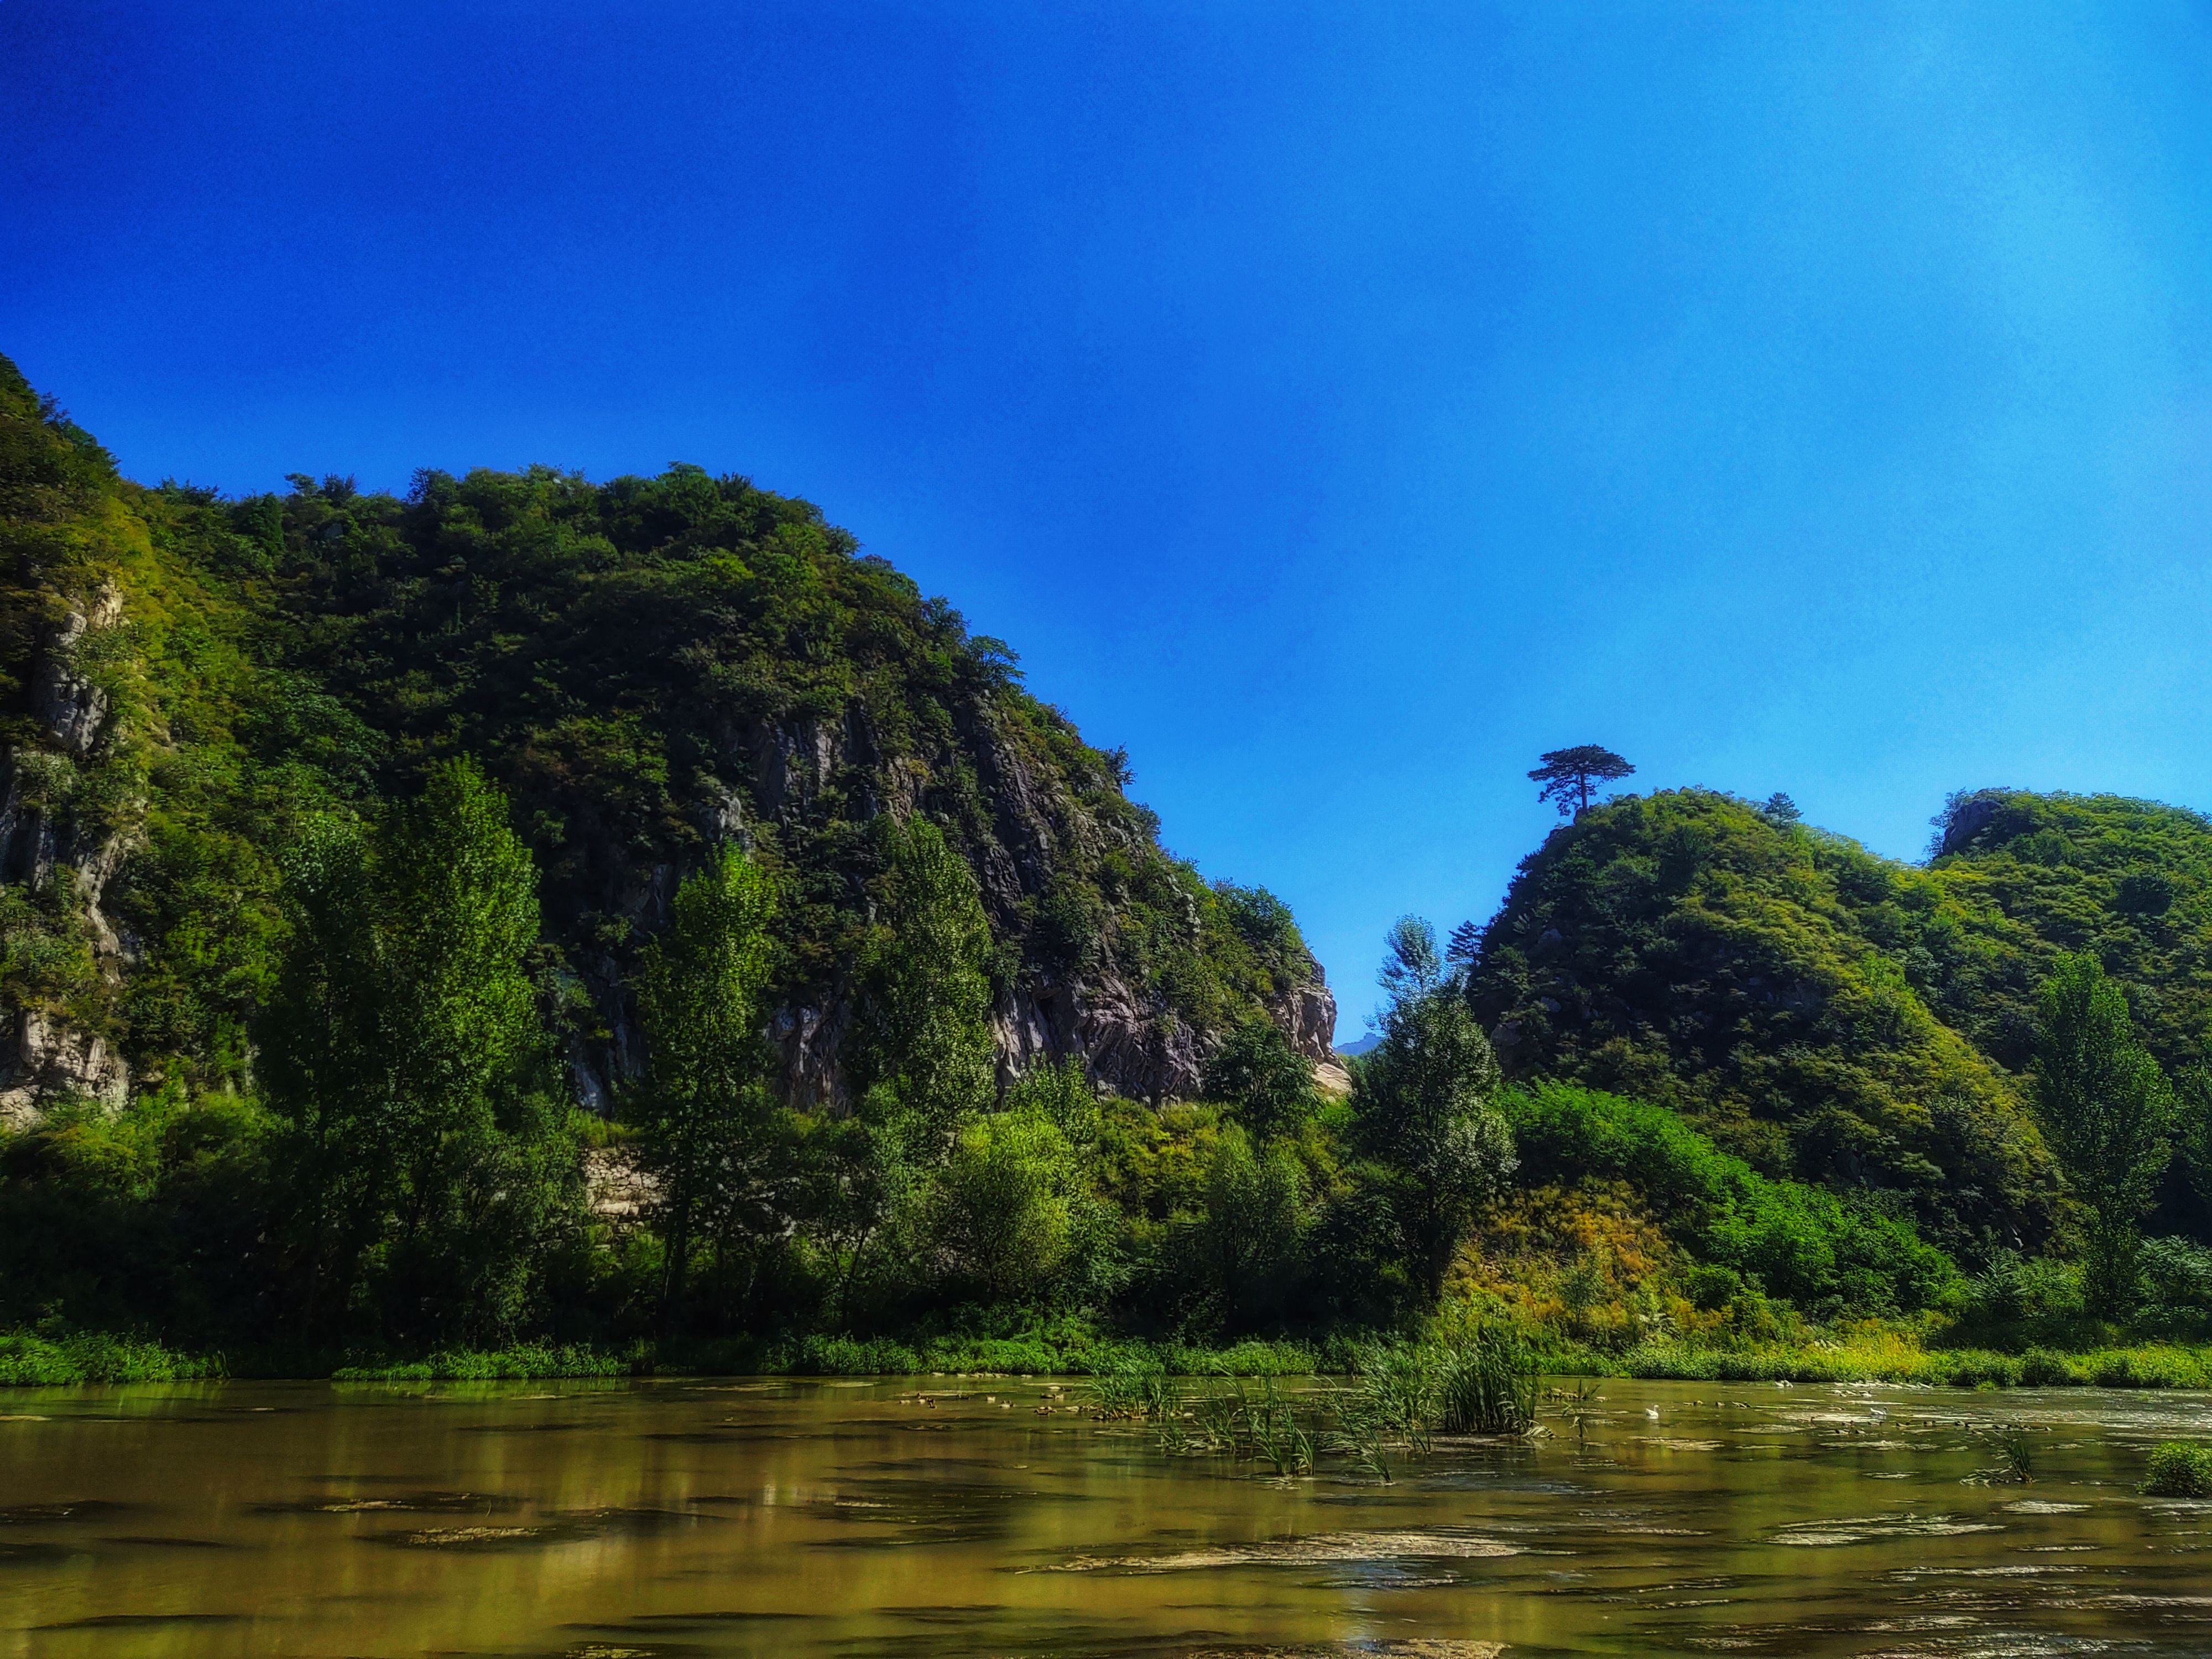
(1797, 1241)
(2153, 1366)
(1005, 1206)
(2179, 1468)
(2178, 1276)
(2022, 1293)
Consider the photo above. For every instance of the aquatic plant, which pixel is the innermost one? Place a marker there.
(1275, 1432)
(1485, 1381)
(1129, 1387)
(2179, 1468)
(2016, 1448)
(1397, 1391)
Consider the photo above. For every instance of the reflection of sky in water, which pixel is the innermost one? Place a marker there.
(805, 1518)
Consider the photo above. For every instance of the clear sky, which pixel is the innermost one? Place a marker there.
(1335, 406)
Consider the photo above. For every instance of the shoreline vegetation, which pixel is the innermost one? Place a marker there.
(1878, 1355)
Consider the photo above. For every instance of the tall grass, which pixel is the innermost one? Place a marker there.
(1485, 1382)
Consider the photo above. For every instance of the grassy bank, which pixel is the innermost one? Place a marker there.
(1875, 1356)
(1891, 1359)
(95, 1357)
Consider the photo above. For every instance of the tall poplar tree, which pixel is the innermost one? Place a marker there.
(2106, 1110)
(405, 1045)
(1424, 1105)
(705, 1101)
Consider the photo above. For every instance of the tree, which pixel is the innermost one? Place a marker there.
(1422, 1104)
(1568, 773)
(2193, 1130)
(924, 1044)
(1266, 1081)
(405, 1045)
(1250, 1244)
(1778, 810)
(1006, 1209)
(1411, 964)
(705, 1101)
(2105, 1108)
(921, 1057)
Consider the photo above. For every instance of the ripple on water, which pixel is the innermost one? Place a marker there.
(1323, 1549)
(1867, 1529)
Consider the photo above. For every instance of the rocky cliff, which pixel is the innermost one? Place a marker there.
(649, 666)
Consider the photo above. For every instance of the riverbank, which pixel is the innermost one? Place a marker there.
(31, 1360)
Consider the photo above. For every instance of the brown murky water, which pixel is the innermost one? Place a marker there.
(619, 1521)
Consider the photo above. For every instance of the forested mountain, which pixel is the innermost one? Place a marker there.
(646, 667)
(1844, 1019)
(626, 914)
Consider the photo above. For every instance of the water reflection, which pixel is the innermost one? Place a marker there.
(629, 1522)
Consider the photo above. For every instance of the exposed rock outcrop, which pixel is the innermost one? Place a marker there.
(72, 708)
(42, 1061)
(1034, 828)
(42, 1058)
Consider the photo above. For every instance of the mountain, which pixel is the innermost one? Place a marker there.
(1837, 1017)
(645, 666)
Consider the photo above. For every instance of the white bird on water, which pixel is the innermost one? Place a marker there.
(1652, 1412)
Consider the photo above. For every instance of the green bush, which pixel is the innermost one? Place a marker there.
(2153, 1366)
(516, 1364)
(2044, 1368)
(1804, 1242)
(2179, 1468)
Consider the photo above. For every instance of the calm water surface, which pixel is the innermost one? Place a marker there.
(623, 1521)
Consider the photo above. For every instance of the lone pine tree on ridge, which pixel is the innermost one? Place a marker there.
(1568, 773)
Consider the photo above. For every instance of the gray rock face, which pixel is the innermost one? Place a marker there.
(41, 1060)
(1034, 828)
(68, 704)
(1970, 818)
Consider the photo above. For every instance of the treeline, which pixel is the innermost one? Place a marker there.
(409, 1172)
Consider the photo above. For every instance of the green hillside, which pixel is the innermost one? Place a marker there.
(2032, 876)
(644, 666)
(1841, 1017)
(1758, 977)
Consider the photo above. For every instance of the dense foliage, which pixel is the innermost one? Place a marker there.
(1759, 977)
(589, 916)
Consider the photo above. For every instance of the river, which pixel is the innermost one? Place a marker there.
(919, 1517)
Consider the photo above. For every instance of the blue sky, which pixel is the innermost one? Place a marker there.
(1335, 406)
